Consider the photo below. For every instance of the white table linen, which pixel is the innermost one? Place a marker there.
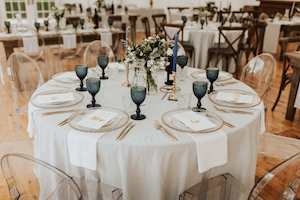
(147, 164)
(31, 44)
(69, 40)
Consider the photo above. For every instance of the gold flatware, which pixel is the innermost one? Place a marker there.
(229, 125)
(232, 111)
(226, 83)
(123, 130)
(70, 118)
(58, 112)
(126, 132)
(160, 127)
(164, 96)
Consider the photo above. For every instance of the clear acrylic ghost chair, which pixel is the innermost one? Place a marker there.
(70, 45)
(28, 178)
(223, 187)
(259, 73)
(94, 49)
(26, 77)
(280, 183)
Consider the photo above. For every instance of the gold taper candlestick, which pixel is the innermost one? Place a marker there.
(172, 96)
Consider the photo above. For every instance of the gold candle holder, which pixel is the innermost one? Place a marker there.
(126, 82)
(172, 95)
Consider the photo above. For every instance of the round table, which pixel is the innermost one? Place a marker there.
(147, 164)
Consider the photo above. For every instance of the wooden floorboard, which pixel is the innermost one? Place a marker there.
(11, 137)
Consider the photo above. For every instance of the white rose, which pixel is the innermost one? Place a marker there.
(169, 52)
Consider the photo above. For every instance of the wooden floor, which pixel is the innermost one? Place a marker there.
(14, 139)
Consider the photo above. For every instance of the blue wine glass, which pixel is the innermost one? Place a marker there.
(182, 61)
(103, 62)
(46, 23)
(37, 25)
(93, 86)
(81, 72)
(212, 75)
(199, 89)
(138, 95)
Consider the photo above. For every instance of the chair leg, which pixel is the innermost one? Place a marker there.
(281, 88)
(208, 60)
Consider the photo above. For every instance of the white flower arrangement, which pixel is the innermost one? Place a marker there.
(152, 54)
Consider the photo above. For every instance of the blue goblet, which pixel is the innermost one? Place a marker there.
(46, 23)
(138, 95)
(182, 62)
(199, 89)
(37, 25)
(212, 75)
(103, 62)
(93, 86)
(81, 72)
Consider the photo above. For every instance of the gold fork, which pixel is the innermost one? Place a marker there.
(124, 129)
(70, 118)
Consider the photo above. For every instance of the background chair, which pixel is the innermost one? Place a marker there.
(146, 24)
(26, 77)
(158, 20)
(286, 75)
(171, 30)
(230, 48)
(94, 49)
(259, 73)
(28, 178)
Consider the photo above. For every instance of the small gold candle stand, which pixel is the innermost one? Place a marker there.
(172, 95)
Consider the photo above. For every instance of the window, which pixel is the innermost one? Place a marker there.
(13, 7)
(44, 7)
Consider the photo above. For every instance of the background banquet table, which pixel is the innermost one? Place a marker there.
(147, 164)
(203, 39)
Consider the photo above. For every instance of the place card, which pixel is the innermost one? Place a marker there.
(97, 119)
(234, 97)
(194, 121)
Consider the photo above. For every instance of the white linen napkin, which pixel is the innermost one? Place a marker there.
(31, 44)
(54, 98)
(69, 41)
(82, 147)
(67, 77)
(171, 31)
(271, 37)
(234, 97)
(213, 144)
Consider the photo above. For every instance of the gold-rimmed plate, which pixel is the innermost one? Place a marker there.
(121, 118)
(74, 100)
(234, 98)
(66, 78)
(201, 75)
(171, 122)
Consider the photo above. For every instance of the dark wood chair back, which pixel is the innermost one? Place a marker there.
(223, 31)
(146, 23)
(180, 28)
(158, 20)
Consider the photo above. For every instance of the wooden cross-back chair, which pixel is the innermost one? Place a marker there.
(288, 30)
(178, 28)
(286, 74)
(158, 20)
(230, 48)
(146, 24)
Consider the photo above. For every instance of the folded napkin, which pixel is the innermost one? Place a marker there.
(194, 121)
(69, 41)
(67, 77)
(82, 147)
(31, 44)
(212, 150)
(234, 97)
(52, 99)
(97, 119)
(271, 37)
